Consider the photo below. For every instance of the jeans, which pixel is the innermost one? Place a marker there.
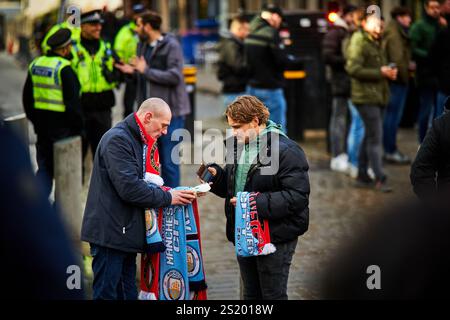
(355, 135)
(430, 108)
(393, 116)
(114, 274)
(371, 148)
(338, 126)
(266, 277)
(170, 168)
(275, 101)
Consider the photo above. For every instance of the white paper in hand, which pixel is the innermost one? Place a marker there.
(202, 188)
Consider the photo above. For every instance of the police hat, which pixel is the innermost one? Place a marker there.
(94, 16)
(273, 9)
(60, 39)
(138, 8)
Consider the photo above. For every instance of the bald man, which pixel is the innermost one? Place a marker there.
(113, 221)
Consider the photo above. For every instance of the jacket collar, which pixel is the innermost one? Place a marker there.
(130, 121)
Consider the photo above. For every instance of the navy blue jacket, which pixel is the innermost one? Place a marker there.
(114, 214)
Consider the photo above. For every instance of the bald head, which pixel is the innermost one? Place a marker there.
(155, 115)
(154, 105)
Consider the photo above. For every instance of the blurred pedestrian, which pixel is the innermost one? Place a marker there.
(282, 197)
(94, 64)
(369, 73)
(267, 59)
(340, 85)
(430, 172)
(232, 69)
(36, 251)
(423, 34)
(125, 45)
(159, 67)
(440, 51)
(113, 221)
(51, 99)
(397, 45)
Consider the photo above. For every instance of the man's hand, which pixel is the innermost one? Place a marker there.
(182, 197)
(390, 73)
(139, 64)
(124, 68)
(213, 173)
(233, 201)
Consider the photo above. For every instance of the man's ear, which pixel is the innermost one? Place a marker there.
(148, 117)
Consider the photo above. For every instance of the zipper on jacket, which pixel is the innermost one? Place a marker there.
(123, 230)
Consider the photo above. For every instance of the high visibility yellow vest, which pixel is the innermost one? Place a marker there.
(89, 68)
(126, 41)
(76, 33)
(47, 87)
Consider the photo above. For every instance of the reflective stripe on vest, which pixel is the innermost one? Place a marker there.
(89, 69)
(46, 78)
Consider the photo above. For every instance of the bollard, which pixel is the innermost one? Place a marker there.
(67, 173)
(19, 125)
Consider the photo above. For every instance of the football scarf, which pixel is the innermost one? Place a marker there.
(252, 237)
(151, 176)
(177, 273)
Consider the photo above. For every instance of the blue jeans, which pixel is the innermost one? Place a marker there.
(228, 98)
(114, 274)
(430, 108)
(275, 101)
(355, 135)
(393, 116)
(170, 171)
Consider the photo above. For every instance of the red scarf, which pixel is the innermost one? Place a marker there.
(152, 156)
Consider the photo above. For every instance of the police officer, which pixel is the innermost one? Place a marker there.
(51, 99)
(75, 34)
(125, 45)
(93, 63)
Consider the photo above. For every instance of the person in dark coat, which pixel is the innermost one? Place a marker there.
(440, 51)
(232, 69)
(340, 85)
(430, 172)
(283, 193)
(36, 250)
(52, 120)
(113, 221)
(159, 67)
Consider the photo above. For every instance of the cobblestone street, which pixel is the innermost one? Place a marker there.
(337, 210)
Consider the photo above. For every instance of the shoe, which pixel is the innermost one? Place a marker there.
(352, 171)
(371, 173)
(364, 182)
(397, 158)
(382, 186)
(340, 163)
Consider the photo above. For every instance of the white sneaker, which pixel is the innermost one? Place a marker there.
(340, 163)
(352, 171)
(371, 173)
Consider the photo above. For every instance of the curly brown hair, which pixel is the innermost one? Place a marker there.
(245, 108)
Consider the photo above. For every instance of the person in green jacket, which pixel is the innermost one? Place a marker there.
(125, 45)
(369, 73)
(76, 32)
(423, 34)
(397, 44)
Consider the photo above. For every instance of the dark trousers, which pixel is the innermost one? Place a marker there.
(266, 277)
(372, 147)
(44, 158)
(129, 98)
(114, 274)
(393, 116)
(97, 122)
(338, 126)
